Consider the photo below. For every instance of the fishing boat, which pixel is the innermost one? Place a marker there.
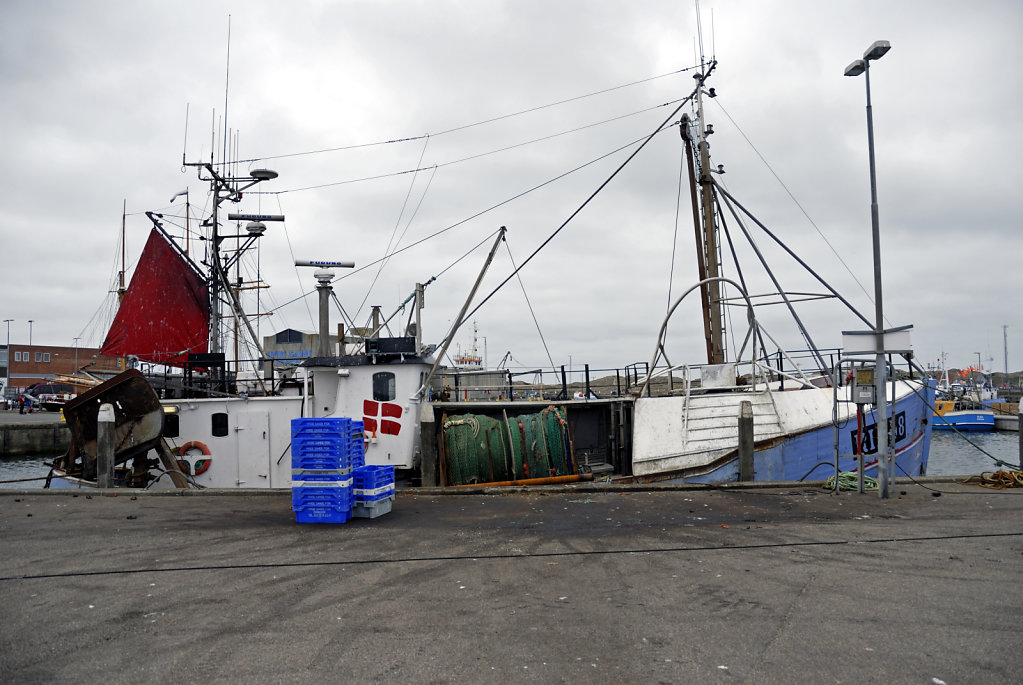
(806, 414)
(961, 405)
(959, 414)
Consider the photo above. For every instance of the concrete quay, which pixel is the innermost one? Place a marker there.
(33, 433)
(570, 584)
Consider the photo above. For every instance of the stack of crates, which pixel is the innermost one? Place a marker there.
(321, 470)
(374, 491)
(357, 444)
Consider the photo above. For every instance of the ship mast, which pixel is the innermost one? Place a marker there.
(707, 244)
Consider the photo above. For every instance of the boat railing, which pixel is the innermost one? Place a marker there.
(746, 376)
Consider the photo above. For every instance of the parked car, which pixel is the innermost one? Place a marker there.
(49, 396)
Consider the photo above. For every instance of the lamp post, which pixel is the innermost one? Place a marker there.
(30, 332)
(862, 66)
(7, 382)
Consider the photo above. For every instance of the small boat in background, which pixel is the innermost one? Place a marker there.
(962, 415)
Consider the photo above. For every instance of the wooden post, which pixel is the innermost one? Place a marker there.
(170, 464)
(429, 464)
(746, 441)
(105, 422)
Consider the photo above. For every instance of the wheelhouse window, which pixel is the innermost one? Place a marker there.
(171, 426)
(383, 386)
(218, 425)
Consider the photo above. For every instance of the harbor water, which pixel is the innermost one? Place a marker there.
(951, 455)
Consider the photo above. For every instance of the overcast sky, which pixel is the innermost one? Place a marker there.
(94, 114)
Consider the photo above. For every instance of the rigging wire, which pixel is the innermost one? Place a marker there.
(831, 247)
(479, 214)
(674, 237)
(731, 200)
(530, 305)
(430, 281)
(463, 127)
(397, 223)
(763, 262)
(479, 155)
(298, 276)
(662, 127)
(741, 275)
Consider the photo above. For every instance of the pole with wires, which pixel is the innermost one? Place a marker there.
(461, 315)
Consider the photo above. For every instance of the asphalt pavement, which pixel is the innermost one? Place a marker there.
(9, 416)
(583, 584)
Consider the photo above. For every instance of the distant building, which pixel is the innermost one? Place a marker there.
(28, 364)
(290, 347)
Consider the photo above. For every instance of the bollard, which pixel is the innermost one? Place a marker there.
(105, 446)
(745, 441)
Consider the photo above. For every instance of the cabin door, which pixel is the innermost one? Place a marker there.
(253, 430)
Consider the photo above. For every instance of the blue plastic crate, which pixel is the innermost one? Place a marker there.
(305, 443)
(310, 488)
(305, 452)
(372, 495)
(336, 494)
(340, 427)
(321, 474)
(373, 476)
(357, 455)
(318, 463)
(343, 459)
(322, 515)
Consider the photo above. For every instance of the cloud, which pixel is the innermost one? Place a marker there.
(97, 97)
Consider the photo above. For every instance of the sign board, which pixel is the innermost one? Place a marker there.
(896, 341)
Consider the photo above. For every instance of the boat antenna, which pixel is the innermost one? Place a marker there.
(227, 83)
(120, 277)
(184, 143)
(699, 30)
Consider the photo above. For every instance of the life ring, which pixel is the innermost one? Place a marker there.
(201, 465)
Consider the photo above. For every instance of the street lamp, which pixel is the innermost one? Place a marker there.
(862, 66)
(7, 383)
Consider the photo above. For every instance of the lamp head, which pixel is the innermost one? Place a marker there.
(877, 50)
(856, 68)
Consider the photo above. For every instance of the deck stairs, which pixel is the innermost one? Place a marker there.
(709, 420)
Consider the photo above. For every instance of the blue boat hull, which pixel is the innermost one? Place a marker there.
(810, 455)
(965, 421)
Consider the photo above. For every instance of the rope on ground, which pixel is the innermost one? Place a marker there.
(850, 480)
(996, 480)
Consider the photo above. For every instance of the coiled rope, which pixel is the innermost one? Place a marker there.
(996, 480)
(850, 480)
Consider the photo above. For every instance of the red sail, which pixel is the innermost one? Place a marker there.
(165, 313)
